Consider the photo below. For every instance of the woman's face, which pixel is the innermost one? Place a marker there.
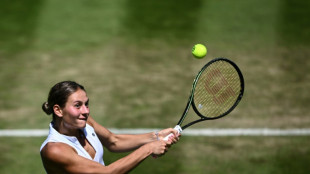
(76, 111)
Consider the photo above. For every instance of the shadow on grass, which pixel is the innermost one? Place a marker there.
(292, 159)
(294, 39)
(18, 20)
(167, 20)
(294, 27)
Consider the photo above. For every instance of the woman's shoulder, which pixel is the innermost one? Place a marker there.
(57, 154)
(56, 150)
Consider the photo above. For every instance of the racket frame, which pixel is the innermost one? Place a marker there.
(191, 97)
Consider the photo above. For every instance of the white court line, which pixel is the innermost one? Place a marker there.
(187, 132)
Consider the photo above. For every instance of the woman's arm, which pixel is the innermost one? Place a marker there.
(61, 158)
(124, 142)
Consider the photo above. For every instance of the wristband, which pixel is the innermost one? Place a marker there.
(156, 133)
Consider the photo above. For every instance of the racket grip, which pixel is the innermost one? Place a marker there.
(178, 128)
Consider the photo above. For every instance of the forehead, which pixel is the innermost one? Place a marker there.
(79, 95)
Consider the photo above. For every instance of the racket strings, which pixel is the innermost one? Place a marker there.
(217, 89)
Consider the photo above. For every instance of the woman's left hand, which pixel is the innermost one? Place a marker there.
(165, 132)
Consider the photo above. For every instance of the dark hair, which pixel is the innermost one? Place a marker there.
(59, 95)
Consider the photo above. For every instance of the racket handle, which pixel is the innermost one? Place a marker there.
(178, 128)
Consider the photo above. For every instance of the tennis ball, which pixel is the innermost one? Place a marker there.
(199, 51)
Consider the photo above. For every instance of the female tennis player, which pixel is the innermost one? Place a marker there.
(75, 141)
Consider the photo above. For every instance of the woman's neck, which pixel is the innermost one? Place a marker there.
(66, 129)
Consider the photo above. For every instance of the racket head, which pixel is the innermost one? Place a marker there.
(218, 88)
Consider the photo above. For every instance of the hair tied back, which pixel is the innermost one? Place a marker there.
(46, 108)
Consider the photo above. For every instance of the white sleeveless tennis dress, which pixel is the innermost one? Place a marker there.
(89, 132)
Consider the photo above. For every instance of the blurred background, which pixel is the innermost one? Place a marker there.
(134, 59)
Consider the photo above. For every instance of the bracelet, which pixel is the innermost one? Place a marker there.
(156, 133)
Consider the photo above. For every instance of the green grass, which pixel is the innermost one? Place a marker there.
(233, 155)
(130, 57)
(134, 58)
(276, 155)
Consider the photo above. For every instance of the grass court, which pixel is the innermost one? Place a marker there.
(134, 58)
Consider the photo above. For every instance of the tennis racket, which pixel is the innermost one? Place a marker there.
(216, 91)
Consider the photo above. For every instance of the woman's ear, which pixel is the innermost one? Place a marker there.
(57, 110)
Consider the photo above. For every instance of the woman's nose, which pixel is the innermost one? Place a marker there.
(85, 110)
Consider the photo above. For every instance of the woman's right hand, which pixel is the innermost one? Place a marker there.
(159, 148)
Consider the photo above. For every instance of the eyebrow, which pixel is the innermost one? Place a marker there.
(79, 101)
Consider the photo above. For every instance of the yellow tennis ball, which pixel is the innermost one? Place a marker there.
(199, 51)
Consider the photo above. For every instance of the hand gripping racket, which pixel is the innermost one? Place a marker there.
(216, 91)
